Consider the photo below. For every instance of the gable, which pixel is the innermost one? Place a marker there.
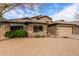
(43, 19)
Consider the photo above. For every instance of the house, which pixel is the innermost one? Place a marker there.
(62, 28)
(40, 25)
(32, 25)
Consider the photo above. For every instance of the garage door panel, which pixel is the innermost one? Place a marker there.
(63, 31)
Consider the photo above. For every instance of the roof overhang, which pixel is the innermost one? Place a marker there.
(10, 21)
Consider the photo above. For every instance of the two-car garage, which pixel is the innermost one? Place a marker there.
(61, 29)
(64, 31)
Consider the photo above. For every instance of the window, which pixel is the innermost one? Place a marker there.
(40, 28)
(16, 28)
(37, 28)
(13, 28)
(20, 27)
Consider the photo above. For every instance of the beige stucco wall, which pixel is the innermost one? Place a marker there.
(44, 19)
(76, 30)
(2, 30)
(31, 33)
(52, 30)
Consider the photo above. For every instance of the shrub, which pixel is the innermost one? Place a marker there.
(16, 33)
(7, 33)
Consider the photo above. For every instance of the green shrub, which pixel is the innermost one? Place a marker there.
(7, 33)
(16, 33)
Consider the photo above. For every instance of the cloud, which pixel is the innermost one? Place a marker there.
(67, 13)
(24, 10)
(55, 11)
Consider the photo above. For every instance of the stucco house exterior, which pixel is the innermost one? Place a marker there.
(40, 25)
(34, 26)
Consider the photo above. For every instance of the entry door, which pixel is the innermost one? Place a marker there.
(64, 31)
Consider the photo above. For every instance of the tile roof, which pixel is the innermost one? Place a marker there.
(66, 23)
(23, 21)
(26, 19)
(40, 16)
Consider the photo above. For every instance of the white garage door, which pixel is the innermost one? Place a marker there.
(64, 31)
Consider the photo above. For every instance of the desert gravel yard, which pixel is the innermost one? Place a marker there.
(39, 47)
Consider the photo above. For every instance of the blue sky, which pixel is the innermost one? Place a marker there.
(54, 10)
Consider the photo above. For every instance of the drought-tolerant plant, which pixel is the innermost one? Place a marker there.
(16, 33)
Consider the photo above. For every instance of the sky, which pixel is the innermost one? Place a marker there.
(56, 11)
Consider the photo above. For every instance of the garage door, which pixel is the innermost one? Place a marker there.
(64, 31)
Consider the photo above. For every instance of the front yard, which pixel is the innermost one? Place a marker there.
(39, 46)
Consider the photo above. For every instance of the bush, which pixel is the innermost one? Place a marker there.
(16, 33)
(7, 34)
